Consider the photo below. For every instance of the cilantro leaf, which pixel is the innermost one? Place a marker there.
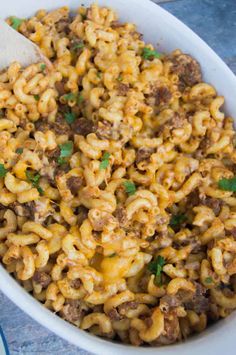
(130, 187)
(105, 161)
(3, 171)
(34, 179)
(66, 149)
(150, 54)
(42, 66)
(177, 219)
(227, 184)
(36, 97)
(16, 22)
(155, 267)
(19, 150)
(70, 117)
(208, 280)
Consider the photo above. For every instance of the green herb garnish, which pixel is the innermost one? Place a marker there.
(80, 99)
(99, 74)
(208, 280)
(66, 151)
(70, 117)
(3, 171)
(177, 220)
(71, 96)
(227, 184)
(36, 97)
(78, 46)
(19, 150)
(105, 161)
(34, 179)
(150, 54)
(112, 255)
(155, 267)
(16, 22)
(42, 66)
(130, 187)
(120, 78)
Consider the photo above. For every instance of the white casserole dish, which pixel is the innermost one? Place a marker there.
(158, 26)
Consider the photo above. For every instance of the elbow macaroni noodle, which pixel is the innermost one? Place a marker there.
(111, 211)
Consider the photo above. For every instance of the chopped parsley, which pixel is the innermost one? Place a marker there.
(105, 161)
(99, 74)
(208, 280)
(78, 46)
(66, 151)
(150, 54)
(130, 187)
(71, 96)
(3, 171)
(155, 267)
(16, 22)
(112, 255)
(36, 97)
(42, 66)
(19, 150)
(70, 117)
(177, 220)
(227, 184)
(120, 78)
(34, 179)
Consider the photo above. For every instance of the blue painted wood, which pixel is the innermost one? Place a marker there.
(215, 22)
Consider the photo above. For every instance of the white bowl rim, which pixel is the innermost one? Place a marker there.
(215, 339)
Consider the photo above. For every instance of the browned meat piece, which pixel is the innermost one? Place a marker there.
(162, 95)
(54, 153)
(122, 89)
(114, 315)
(72, 311)
(193, 199)
(83, 126)
(198, 302)
(42, 278)
(104, 130)
(116, 24)
(82, 214)
(120, 214)
(60, 87)
(143, 154)
(168, 302)
(20, 210)
(214, 203)
(63, 26)
(172, 331)
(124, 307)
(42, 125)
(233, 232)
(188, 70)
(76, 283)
(74, 183)
(60, 126)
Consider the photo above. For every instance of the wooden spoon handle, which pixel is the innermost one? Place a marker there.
(15, 47)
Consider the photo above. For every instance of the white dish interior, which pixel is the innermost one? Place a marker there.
(159, 27)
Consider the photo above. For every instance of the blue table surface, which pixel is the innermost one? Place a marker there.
(215, 22)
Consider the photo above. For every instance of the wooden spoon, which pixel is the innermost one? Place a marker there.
(16, 47)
